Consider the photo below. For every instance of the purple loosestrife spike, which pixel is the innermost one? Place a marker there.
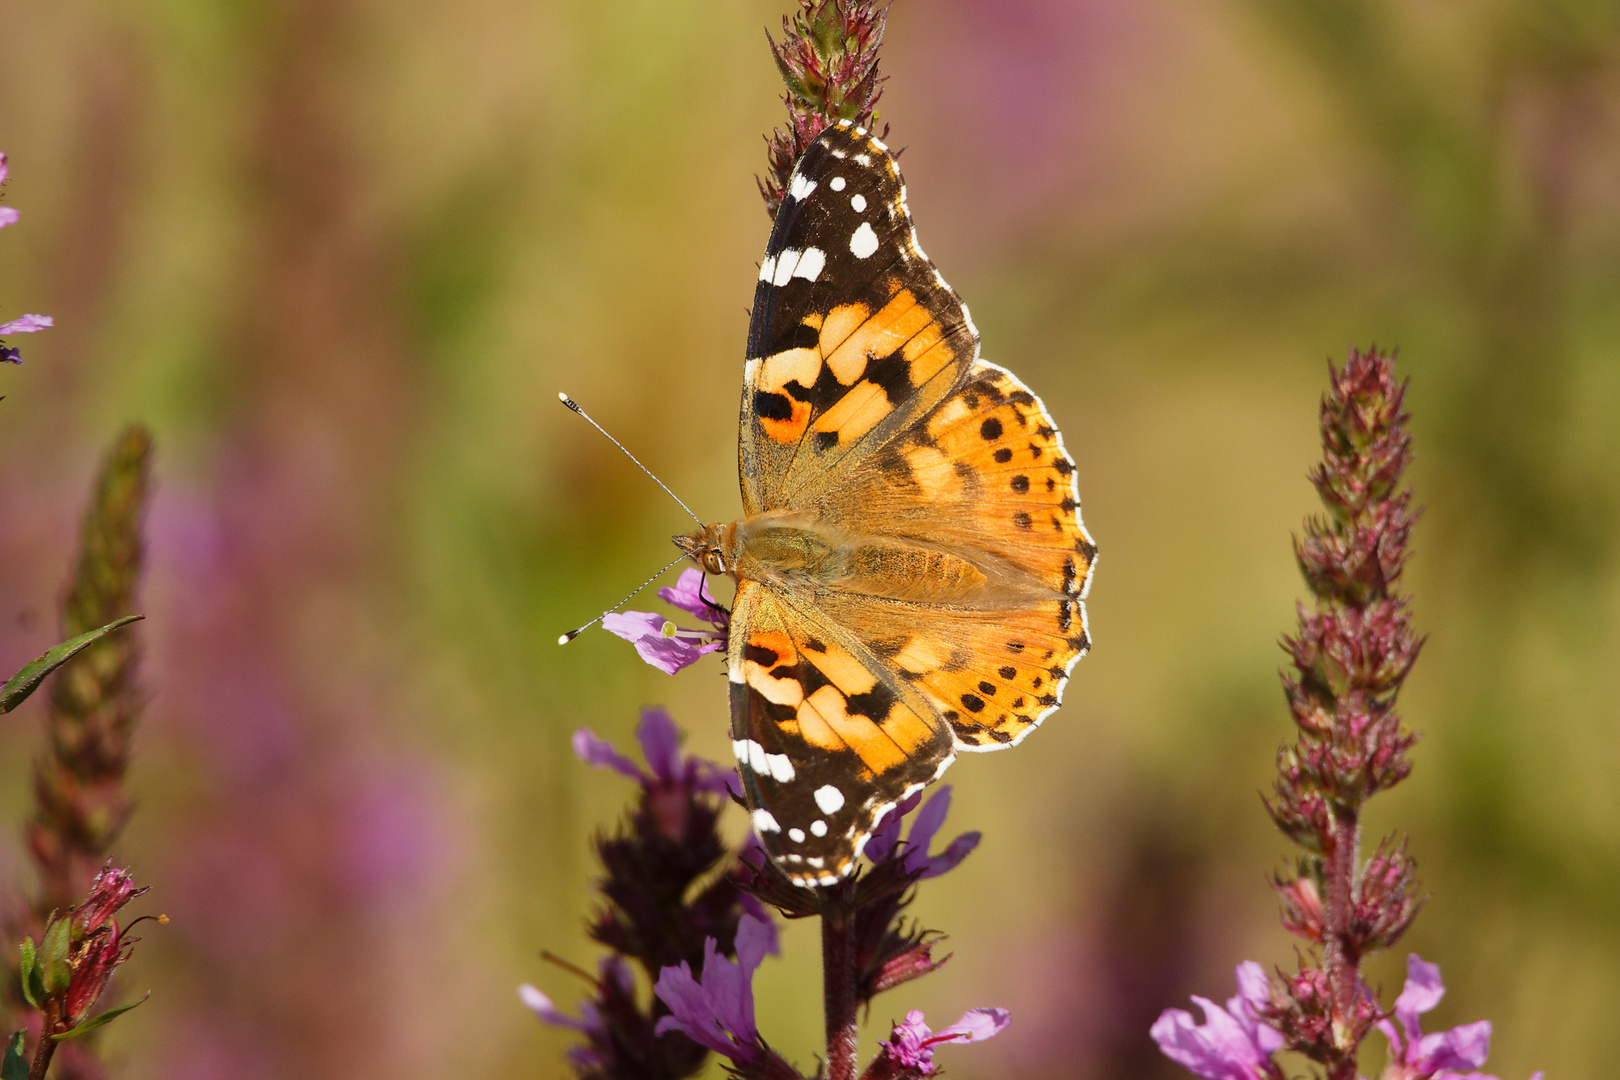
(1233, 1043)
(909, 1050)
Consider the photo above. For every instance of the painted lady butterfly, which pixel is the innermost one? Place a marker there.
(911, 567)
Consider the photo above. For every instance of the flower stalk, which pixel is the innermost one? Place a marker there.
(828, 59)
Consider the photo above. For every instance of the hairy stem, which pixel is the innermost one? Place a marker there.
(838, 995)
(1340, 958)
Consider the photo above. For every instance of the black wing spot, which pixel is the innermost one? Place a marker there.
(1036, 451)
(1016, 646)
(952, 715)
(1021, 519)
(893, 374)
(973, 703)
(1045, 431)
(1000, 736)
(1064, 466)
(1036, 682)
(1009, 673)
(1021, 397)
(1056, 672)
(987, 688)
(797, 337)
(1065, 616)
(772, 406)
(1069, 506)
(1003, 456)
(875, 703)
(1047, 699)
(990, 430)
(1020, 484)
(759, 654)
(825, 441)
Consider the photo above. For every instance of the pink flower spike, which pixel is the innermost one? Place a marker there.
(8, 216)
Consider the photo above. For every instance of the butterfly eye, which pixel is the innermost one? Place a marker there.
(713, 563)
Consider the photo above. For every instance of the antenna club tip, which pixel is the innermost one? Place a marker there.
(562, 397)
(566, 638)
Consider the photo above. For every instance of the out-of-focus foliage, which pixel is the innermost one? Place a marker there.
(342, 255)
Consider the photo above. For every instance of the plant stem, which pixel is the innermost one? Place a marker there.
(838, 994)
(1340, 959)
(47, 1045)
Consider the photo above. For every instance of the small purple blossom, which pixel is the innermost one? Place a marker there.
(661, 745)
(1232, 1043)
(717, 1010)
(886, 837)
(663, 644)
(1443, 1055)
(26, 324)
(909, 1050)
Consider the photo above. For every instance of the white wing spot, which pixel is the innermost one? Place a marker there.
(862, 243)
(767, 268)
(818, 827)
(858, 201)
(796, 835)
(837, 183)
(811, 264)
(756, 758)
(801, 187)
(862, 159)
(786, 263)
(781, 768)
(764, 822)
(829, 798)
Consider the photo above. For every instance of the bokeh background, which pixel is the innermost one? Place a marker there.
(342, 254)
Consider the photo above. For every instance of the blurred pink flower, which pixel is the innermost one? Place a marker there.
(26, 324)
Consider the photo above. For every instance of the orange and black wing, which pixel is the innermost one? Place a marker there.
(854, 334)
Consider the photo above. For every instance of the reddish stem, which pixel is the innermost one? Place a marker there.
(838, 995)
(47, 1045)
(1340, 959)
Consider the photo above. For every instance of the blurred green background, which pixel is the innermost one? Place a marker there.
(342, 254)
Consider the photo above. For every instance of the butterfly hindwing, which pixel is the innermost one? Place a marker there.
(827, 739)
(853, 335)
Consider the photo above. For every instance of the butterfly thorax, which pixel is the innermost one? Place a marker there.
(797, 553)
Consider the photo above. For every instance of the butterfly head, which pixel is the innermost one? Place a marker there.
(713, 547)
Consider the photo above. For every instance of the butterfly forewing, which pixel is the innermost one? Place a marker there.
(854, 334)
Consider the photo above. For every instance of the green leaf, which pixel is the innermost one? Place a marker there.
(30, 975)
(101, 1018)
(26, 681)
(57, 972)
(15, 1066)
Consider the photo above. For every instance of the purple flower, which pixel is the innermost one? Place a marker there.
(909, 1050)
(661, 745)
(1232, 1043)
(886, 837)
(1444, 1055)
(616, 983)
(27, 324)
(718, 1010)
(661, 643)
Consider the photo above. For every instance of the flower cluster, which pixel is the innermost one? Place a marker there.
(25, 324)
(64, 975)
(664, 905)
(1351, 655)
(700, 937)
(828, 57)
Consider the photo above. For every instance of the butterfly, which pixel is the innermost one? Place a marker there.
(911, 567)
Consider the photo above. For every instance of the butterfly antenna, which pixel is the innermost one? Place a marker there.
(574, 405)
(572, 634)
